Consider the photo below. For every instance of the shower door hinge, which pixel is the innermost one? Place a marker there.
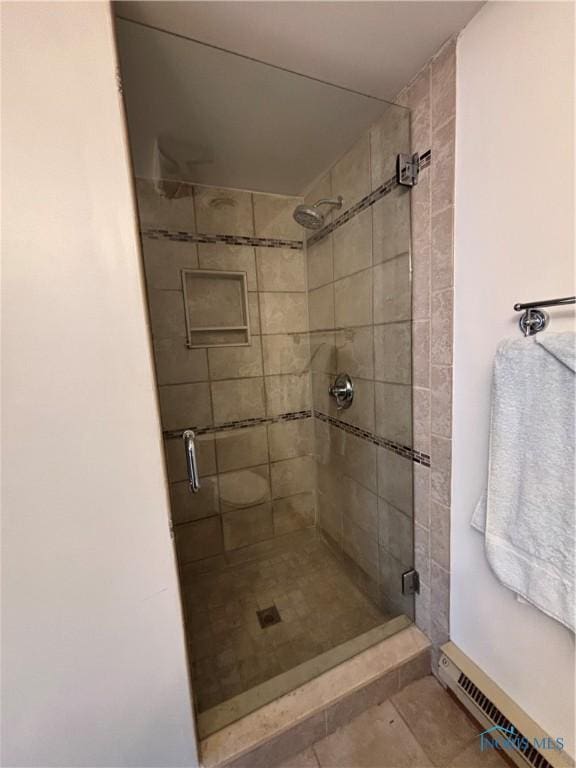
(410, 582)
(408, 169)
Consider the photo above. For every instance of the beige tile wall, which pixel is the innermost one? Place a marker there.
(257, 482)
(362, 310)
(432, 98)
(359, 304)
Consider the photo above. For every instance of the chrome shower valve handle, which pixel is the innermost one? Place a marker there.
(342, 391)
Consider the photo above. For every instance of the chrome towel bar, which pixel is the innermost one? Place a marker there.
(533, 318)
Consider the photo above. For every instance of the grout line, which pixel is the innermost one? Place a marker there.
(318, 763)
(430, 343)
(309, 373)
(372, 303)
(194, 269)
(295, 374)
(440, 211)
(466, 744)
(407, 724)
(379, 552)
(206, 351)
(443, 124)
(442, 437)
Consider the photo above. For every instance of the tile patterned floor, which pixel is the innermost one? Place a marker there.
(319, 605)
(420, 727)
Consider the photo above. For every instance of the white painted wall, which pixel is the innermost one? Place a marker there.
(94, 670)
(514, 242)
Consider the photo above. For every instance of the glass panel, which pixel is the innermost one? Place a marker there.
(226, 121)
(291, 555)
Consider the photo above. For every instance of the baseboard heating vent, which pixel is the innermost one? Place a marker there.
(494, 709)
(530, 753)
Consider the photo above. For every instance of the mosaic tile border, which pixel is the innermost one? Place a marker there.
(365, 202)
(425, 159)
(274, 242)
(243, 424)
(401, 450)
(193, 237)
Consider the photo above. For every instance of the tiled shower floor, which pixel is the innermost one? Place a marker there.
(319, 607)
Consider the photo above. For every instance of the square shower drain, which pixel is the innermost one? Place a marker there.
(268, 616)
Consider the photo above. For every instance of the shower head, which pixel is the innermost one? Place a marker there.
(311, 217)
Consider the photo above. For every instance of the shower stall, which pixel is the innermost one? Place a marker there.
(276, 245)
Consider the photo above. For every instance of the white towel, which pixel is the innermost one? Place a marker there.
(527, 513)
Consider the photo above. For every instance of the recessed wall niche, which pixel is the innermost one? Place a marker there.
(216, 306)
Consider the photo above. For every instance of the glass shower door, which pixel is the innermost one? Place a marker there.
(293, 546)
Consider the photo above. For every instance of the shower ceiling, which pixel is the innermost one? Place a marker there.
(224, 120)
(373, 47)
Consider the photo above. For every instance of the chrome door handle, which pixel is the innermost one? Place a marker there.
(191, 461)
